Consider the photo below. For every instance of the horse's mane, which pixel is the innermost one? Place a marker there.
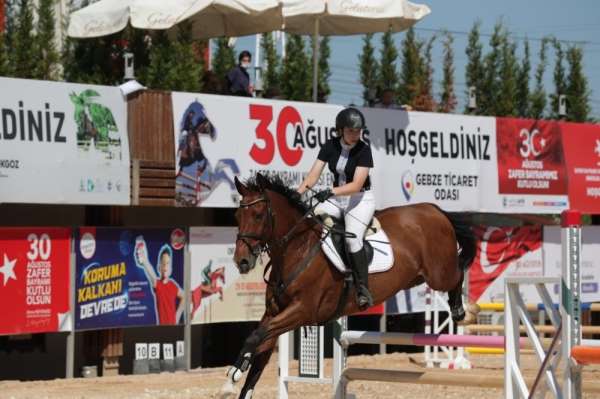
(276, 184)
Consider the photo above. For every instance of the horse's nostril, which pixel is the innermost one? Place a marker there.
(244, 265)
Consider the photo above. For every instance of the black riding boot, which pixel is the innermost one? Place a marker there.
(358, 261)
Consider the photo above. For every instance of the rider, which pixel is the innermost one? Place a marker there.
(349, 159)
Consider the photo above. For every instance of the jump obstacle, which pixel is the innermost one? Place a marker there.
(567, 345)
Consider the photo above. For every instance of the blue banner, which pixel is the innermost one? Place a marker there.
(129, 277)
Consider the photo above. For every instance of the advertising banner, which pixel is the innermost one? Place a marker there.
(129, 277)
(407, 301)
(67, 141)
(590, 261)
(505, 252)
(427, 157)
(34, 280)
(218, 138)
(219, 292)
(531, 173)
(582, 152)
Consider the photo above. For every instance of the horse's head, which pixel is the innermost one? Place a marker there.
(255, 223)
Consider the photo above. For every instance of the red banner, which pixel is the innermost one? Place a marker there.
(34, 280)
(530, 158)
(582, 152)
(497, 248)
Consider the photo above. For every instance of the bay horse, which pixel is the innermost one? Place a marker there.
(304, 288)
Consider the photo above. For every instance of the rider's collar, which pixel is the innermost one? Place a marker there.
(346, 146)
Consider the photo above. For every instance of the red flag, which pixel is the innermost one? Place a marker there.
(497, 248)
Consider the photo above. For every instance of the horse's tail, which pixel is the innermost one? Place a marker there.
(465, 237)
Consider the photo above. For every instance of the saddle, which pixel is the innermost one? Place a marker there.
(376, 243)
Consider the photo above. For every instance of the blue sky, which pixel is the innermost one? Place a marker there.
(567, 20)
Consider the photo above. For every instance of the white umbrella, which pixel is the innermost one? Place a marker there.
(348, 17)
(212, 18)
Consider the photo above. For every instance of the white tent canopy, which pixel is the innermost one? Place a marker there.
(348, 17)
(212, 18)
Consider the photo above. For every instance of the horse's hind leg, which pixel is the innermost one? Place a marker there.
(459, 313)
(457, 309)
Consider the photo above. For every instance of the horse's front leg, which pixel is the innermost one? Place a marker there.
(259, 345)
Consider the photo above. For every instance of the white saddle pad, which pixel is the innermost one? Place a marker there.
(383, 257)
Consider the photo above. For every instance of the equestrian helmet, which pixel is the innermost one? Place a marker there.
(349, 117)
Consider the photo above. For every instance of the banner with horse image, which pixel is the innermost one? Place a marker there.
(129, 277)
(34, 280)
(219, 137)
(63, 143)
(428, 157)
(219, 292)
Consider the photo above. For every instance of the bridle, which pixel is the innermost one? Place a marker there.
(261, 240)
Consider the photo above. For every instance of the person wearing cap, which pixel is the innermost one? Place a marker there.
(350, 160)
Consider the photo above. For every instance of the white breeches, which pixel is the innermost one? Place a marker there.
(357, 209)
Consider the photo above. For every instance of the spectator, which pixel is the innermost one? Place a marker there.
(238, 79)
(388, 101)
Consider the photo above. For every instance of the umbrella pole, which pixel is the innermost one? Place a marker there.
(315, 60)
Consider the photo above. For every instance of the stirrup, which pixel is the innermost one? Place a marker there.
(364, 298)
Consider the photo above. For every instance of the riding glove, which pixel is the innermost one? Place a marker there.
(324, 195)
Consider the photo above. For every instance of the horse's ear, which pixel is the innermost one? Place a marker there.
(262, 181)
(243, 190)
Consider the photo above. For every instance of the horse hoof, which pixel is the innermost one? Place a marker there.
(470, 318)
(234, 374)
(473, 308)
(227, 391)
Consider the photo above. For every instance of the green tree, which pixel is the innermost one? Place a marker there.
(491, 86)
(45, 45)
(3, 55)
(538, 97)
(94, 61)
(161, 66)
(560, 83)
(448, 100)
(22, 54)
(411, 70)
(506, 103)
(388, 77)
(296, 71)
(224, 59)
(187, 65)
(424, 101)
(474, 71)
(523, 96)
(369, 69)
(578, 93)
(323, 89)
(271, 73)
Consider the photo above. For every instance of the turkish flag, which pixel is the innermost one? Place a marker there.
(34, 280)
(497, 248)
(530, 157)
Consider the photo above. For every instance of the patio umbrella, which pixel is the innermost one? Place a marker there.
(212, 18)
(348, 17)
